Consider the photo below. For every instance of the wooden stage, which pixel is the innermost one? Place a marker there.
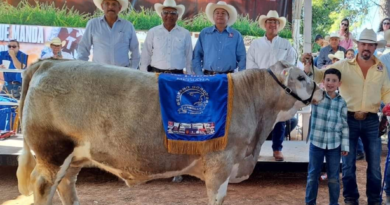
(296, 154)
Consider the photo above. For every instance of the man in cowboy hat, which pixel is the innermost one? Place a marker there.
(112, 37)
(220, 48)
(332, 48)
(167, 47)
(338, 56)
(366, 84)
(56, 49)
(266, 51)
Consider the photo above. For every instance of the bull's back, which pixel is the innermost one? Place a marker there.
(112, 111)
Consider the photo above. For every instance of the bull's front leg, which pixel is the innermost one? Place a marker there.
(217, 172)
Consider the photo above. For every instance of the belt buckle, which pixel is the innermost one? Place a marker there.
(167, 71)
(360, 115)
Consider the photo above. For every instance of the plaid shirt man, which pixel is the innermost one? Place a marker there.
(329, 127)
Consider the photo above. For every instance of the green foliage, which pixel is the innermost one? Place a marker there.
(42, 14)
(327, 15)
(144, 19)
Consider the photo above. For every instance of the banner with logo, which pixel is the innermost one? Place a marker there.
(195, 111)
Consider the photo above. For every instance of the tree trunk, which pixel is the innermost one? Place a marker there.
(385, 11)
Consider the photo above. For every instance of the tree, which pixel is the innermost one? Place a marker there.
(327, 15)
(385, 8)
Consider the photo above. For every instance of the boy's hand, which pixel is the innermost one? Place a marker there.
(344, 153)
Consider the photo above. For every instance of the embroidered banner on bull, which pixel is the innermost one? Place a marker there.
(195, 112)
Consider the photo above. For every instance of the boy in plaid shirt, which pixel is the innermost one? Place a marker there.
(329, 138)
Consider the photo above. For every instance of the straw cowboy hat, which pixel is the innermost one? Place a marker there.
(169, 4)
(210, 8)
(124, 4)
(55, 41)
(272, 14)
(333, 35)
(339, 55)
(369, 36)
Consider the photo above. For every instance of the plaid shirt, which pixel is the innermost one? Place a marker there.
(329, 127)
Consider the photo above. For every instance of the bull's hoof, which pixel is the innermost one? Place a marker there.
(177, 179)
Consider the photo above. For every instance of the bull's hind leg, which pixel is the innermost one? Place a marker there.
(46, 178)
(54, 154)
(67, 187)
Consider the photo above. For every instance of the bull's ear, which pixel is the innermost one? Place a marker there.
(285, 73)
(279, 66)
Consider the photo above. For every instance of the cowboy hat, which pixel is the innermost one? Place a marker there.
(169, 4)
(334, 35)
(339, 55)
(210, 8)
(369, 36)
(272, 14)
(55, 41)
(123, 3)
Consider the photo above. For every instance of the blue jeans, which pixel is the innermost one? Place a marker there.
(360, 149)
(316, 159)
(290, 125)
(387, 174)
(368, 130)
(278, 136)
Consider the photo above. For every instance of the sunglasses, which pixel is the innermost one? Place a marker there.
(12, 46)
(344, 24)
(386, 23)
(173, 13)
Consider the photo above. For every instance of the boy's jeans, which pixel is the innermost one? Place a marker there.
(316, 159)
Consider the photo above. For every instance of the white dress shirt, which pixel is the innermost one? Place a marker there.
(167, 50)
(110, 45)
(263, 53)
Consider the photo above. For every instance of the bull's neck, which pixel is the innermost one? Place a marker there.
(260, 93)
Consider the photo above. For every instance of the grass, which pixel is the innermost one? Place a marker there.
(144, 19)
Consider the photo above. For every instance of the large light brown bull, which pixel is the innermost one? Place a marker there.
(78, 114)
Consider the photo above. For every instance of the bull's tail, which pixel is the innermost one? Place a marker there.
(26, 159)
(27, 76)
(25, 168)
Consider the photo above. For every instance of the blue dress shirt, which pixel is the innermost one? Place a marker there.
(22, 57)
(110, 45)
(323, 58)
(219, 51)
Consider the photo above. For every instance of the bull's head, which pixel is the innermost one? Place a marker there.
(297, 84)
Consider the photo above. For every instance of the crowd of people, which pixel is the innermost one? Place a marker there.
(344, 125)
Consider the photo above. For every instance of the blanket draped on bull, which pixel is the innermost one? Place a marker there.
(195, 112)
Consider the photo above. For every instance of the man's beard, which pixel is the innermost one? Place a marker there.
(367, 56)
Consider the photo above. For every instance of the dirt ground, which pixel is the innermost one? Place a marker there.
(98, 188)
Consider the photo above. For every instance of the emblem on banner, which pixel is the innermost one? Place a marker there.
(192, 100)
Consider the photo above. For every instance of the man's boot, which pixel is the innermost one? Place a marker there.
(278, 156)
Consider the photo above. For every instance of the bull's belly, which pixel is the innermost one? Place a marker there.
(132, 167)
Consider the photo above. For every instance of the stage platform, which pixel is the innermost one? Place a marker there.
(296, 154)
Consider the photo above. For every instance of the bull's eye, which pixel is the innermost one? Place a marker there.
(301, 78)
